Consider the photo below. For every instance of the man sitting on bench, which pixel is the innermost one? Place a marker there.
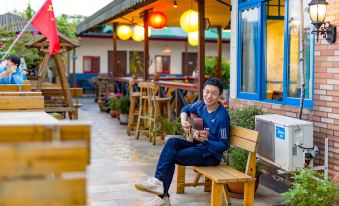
(206, 150)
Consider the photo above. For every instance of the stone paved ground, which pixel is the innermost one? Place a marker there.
(118, 161)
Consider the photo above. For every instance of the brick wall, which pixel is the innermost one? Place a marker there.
(325, 113)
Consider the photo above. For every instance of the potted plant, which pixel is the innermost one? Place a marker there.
(124, 109)
(168, 127)
(114, 105)
(237, 157)
(309, 188)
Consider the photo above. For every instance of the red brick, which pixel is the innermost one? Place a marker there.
(332, 126)
(321, 58)
(336, 133)
(336, 64)
(326, 98)
(336, 88)
(332, 104)
(316, 86)
(320, 70)
(320, 103)
(333, 81)
(336, 99)
(336, 76)
(327, 120)
(320, 81)
(320, 114)
(327, 131)
(326, 76)
(326, 86)
(327, 64)
(335, 110)
(333, 70)
(315, 118)
(320, 125)
(327, 53)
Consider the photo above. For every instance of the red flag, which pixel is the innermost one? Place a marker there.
(44, 21)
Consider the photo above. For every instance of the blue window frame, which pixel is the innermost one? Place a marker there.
(254, 73)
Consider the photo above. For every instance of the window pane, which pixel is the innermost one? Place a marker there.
(294, 72)
(87, 64)
(96, 64)
(158, 64)
(249, 41)
(166, 64)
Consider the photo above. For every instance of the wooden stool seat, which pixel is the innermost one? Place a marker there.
(164, 106)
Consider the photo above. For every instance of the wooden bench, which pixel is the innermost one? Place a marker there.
(15, 87)
(21, 103)
(217, 177)
(20, 93)
(45, 162)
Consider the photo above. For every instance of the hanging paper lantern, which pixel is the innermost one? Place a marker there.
(138, 33)
(158, 20)
(193, 38)
(189, 21)
(124, 32)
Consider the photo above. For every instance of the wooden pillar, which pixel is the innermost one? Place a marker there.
(219, 45)
(115, 43)
(201, 52)
(74, 74)
(146, 46)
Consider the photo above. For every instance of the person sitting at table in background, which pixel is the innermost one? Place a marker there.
(207, 149)
(12, 75)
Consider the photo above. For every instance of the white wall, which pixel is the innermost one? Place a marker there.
(101, 46)
(234, 40)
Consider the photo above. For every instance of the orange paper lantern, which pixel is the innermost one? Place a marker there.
(158, 20)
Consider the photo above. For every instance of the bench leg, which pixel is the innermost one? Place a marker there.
(207, 187)
(227, 194)
(181, 170)
(216, 195)
(249, 194)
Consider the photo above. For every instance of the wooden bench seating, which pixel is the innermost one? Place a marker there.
(21, 103)
(217, 177)
(45, 164)
(20, 93)
(15, 87)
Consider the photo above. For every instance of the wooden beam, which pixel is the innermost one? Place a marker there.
(219, 45)
(201, 52)
(42, 71)
(146, 46)
(74, 74)
(115, 44)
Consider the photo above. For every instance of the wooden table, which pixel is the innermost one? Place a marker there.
(15, 118)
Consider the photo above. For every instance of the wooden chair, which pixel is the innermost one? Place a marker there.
(221, 175)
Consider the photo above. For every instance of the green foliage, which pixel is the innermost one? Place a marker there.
(237, 157)
(29, 12)
(244, 117)
(124, 104)
(211, 69)
(114, 103)
(169, 126)
(30, 55)
(65, 26)
(135, 63)
(308, 189)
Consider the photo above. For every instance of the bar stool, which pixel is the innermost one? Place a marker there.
(145, 110)
(133, 108)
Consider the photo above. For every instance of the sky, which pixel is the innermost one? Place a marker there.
(70, 7)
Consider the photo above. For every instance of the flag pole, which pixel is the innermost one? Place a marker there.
(20, 34)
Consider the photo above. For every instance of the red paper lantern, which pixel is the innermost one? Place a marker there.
(158, 20)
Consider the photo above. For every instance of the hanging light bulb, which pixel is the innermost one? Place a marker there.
(124, 32)
(158, 20)
(193, 38)
(189, 21)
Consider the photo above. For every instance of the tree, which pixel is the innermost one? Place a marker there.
(29, 12)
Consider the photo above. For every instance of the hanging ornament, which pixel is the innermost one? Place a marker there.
(124, 32)
(193, 38)
(138, 33)
(189, 21)
(158, 20)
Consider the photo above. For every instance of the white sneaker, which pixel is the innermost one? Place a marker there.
(152, 185)
(157, 201)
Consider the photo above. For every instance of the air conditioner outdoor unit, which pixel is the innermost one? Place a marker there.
(285, 142)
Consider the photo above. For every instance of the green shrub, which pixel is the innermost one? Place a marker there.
(237, 157)
(169, 126)
(124, 104)
(211, 69)
(244, 117)
(114, 103)
(309, 189)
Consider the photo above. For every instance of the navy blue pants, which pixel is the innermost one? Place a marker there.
(181, 152)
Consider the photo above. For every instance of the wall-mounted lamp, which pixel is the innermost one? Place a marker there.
(317, 10)
(166, 49)
(175, 5)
